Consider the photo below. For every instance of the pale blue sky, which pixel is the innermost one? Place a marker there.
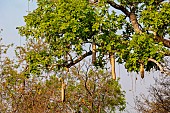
(11, 16)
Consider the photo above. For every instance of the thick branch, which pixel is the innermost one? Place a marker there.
(166, 42)
(158, 38)
(135, 23)
(79, 59)
(72, 62)
(157, 63)
(131, 15)
(119, 7)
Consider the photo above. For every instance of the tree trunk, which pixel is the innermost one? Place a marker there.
(142, 70)
(112, 62)
(66, 60)
(63, 91)
(93, 52)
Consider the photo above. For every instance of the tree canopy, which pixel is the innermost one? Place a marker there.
(135, 31)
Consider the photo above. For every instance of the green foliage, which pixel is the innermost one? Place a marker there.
(142, 47)
(68, 27)
(156, 18)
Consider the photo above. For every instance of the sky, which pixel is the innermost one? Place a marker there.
(11, 16)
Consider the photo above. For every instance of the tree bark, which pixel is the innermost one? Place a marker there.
(93, 52)
(112, 62)
(142, 70)
(135, 23)
(66, 60)
(63, 91)
(157, 63)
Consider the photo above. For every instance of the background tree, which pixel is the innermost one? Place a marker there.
(4, 61)
(95, 91)
(158, 100)
(136, 37)
(88, 90)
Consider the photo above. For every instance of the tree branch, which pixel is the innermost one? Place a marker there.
(157, 63)
(72, 62)
(85, 85)
(131, 15)
(79, 59)
(135, 23)
(166, 42)
(158, 38)
(119, 7)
